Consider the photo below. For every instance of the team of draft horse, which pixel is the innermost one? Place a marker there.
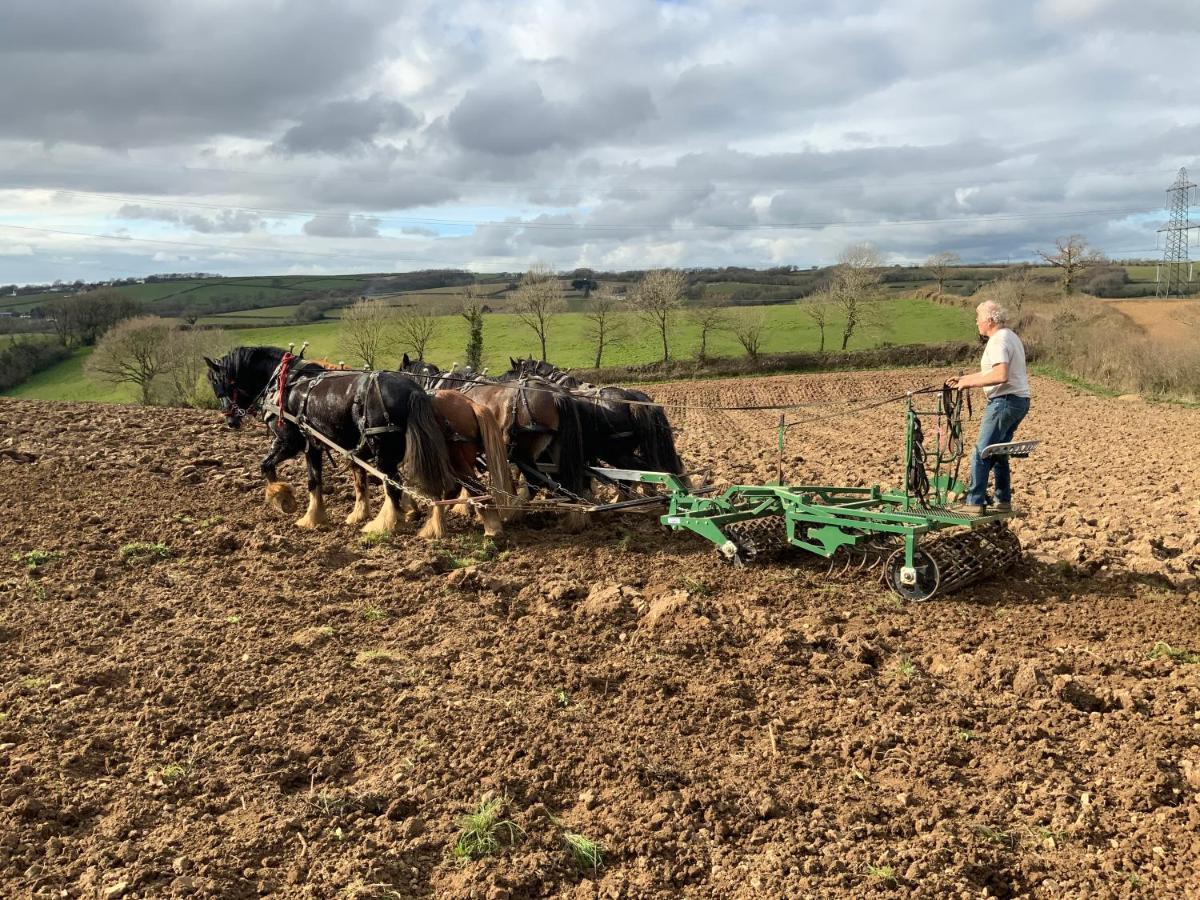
(436, 436)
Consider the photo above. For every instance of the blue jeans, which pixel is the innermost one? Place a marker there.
(1001, 417)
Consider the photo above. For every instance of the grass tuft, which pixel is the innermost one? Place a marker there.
(482, 830)
(374, 614)
(996, 835)
(882, 874)
(36, 558)
(1162, 648)
(470, 550)
(587, 853)
(140, 550)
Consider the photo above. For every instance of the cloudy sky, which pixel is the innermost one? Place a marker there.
(241, 137)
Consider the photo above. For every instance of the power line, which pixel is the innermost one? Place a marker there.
(619, 180)
(607, 227)
(224, 248)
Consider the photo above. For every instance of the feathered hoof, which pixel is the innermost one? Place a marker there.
(280, 496)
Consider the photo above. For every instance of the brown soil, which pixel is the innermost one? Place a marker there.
(267, 711)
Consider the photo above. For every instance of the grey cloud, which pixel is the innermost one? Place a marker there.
(627, 133)
(226, 221)
(518, 119)
(188, 75)
(346, 125)
(342, 226)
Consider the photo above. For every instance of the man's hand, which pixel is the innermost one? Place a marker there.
(952, 382)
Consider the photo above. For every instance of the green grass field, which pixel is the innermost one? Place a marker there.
(787, 329)
(6, 339)
(1142, 273)
(258, 291)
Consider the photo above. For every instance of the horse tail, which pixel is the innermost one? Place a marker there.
(426, 459)
(656, 438)
(496, 453)
(572, 465)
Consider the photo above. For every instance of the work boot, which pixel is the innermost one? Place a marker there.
(970, 509)
(1002, 506)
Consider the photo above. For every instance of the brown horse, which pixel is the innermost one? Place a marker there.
(535, 417)
(471, 431)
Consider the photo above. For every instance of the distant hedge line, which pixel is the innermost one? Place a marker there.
(21, 359)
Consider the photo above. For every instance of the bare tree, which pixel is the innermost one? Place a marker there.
(537, 299)
(657, 299)
(604, 324)
(184, 384)
(415, 328)
(748, 329)
(855, 283)
(819, 309)
(1020, 285)
(367, 331)
(940, 264)
(1072, 255)
(135, 351)
(708, 318)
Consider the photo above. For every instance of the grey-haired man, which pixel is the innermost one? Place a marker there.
(1005, 382)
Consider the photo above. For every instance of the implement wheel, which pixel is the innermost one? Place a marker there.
(918, 583)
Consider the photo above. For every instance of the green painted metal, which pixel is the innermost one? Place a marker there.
(820, 519)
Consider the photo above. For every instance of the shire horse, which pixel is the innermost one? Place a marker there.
(622, 426)
(384, 416)
(535, 418)
(471, 433)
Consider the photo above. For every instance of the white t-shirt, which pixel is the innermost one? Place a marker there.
(1005, 347)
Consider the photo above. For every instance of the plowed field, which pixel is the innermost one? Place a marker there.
(198, 699)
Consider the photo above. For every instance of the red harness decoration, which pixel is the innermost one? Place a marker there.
(283, 377)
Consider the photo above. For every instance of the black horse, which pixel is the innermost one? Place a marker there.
(385, 417)
(622, 426)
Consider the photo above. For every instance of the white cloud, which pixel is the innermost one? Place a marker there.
(612, 132)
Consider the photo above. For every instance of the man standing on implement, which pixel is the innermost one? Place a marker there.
(1005, 382)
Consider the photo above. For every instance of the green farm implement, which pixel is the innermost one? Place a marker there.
(919, 543)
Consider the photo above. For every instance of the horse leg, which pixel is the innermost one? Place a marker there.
(490, 517)
(387, 459)
(462, 464)
(388, 517)
(361, 496)
(315, 515)
(410, 511)
(279, 494)
(436, 526)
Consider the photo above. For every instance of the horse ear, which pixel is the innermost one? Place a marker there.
(212, 365)
(404, 362)
(513, 363)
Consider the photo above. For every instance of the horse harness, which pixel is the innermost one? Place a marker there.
(365, 381)
(520, 396)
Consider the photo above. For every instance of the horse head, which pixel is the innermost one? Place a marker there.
(239, 378)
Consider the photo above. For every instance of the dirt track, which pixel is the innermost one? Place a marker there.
(270, 711)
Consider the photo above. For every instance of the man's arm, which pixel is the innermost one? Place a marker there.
(997, 375)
